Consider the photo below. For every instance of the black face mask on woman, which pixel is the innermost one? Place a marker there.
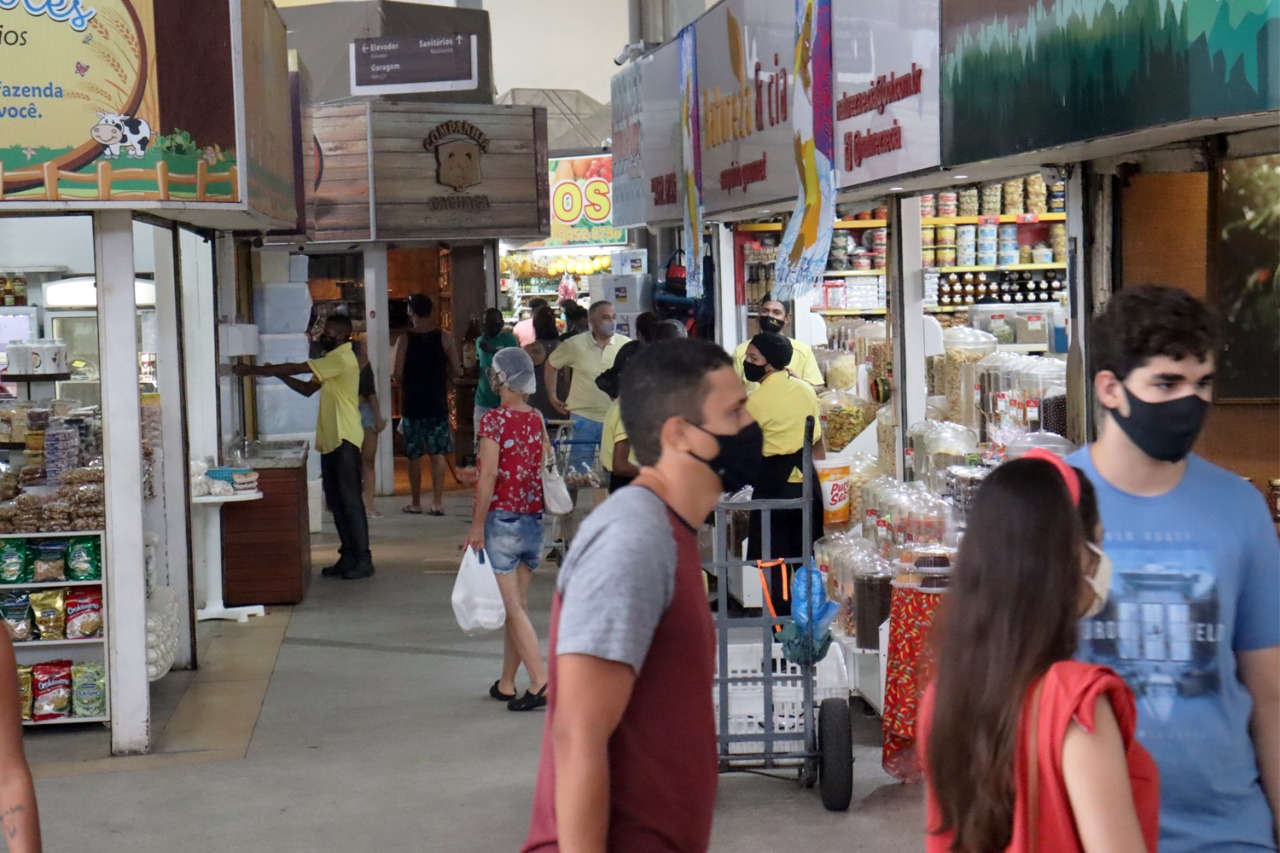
(738, 462)
(1165, 431)
(753, 372)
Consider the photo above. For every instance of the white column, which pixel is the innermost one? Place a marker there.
(174, 490)
(728, 312)
(378, 338)
(122, 436)
(906, 300)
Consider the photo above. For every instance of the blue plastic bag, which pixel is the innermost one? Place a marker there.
(806, 640)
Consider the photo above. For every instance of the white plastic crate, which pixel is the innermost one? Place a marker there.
(746, 701)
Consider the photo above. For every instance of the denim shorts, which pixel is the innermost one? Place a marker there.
(511, 538)
(586, 443)
(368, 417)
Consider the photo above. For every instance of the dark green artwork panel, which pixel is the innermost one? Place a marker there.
(1020, 76)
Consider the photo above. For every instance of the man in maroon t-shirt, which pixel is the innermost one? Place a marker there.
(629, 752)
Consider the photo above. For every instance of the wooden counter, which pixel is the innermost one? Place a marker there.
(266, 545)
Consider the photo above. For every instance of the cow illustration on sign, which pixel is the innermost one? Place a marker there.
(115, 131)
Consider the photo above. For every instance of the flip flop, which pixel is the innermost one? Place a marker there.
(438, 513)
(495, 693)
(411, 510)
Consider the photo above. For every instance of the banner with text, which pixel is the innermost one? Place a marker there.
(802, 256)
(691, 162)
(888, 120)
(582, 202)
(628, 165)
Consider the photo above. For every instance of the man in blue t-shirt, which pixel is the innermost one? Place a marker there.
(1193, 618)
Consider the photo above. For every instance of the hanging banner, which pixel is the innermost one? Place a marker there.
(802, 257)
(888, 120)
(691, 162)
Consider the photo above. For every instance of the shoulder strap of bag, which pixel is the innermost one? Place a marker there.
(548, 450)
(1033, 769)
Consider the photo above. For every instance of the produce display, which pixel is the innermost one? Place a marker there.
(844, 417)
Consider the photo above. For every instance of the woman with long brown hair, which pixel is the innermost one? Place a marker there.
(1025, 749)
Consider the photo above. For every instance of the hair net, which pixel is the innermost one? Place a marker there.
(776, 349)
(514, 369)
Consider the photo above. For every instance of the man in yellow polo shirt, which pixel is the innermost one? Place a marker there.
(339, 434)
(773, 317)
(588, 355)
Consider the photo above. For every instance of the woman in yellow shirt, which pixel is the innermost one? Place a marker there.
(615, 449)
(781, 406)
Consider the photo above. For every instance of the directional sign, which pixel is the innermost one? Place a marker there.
(391, 65)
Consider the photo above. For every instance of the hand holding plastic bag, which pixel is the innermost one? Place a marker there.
(477, 601)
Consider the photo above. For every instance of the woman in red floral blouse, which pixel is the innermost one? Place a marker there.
(507, 517)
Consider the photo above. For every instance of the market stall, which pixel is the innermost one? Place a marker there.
(94, 523)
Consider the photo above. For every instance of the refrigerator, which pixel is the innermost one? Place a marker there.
(70, 315)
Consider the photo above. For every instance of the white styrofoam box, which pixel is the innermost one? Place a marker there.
(299, 267)
(271, 264)
(628, 293)
(237, 339)
(282, 307)
(746, 701)
(283, 349)
(627, 325)
(283, 410)
(630, 262)
(315, 504)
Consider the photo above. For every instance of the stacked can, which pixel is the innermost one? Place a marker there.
(928, 241)
(946, 245)
(1007, 245)
(948, 204)
(1058, 198)
(1058, 242)
(928, 205)
(966, 245)
(881, 243)
(987, 245)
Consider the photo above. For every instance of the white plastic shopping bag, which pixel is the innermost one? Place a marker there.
(477, 602)
(555, 494)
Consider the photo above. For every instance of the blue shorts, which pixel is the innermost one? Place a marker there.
(368, 417)
(511, 538)
(586, 443)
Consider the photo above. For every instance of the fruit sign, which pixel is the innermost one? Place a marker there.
(582, 202)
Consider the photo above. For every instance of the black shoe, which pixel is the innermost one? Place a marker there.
(357, 573)
(335, 571)
(495, 693)
(529, 701)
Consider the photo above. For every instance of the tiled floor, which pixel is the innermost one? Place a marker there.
(357, 721)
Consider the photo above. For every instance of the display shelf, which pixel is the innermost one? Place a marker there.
(1005, 219)
(65, 721)
(947, 309)
(753, 227)
(35, 377)
(853, 273)
(855, 224)
(50, 644)
(1026, 349)
(849, 312)
(49, 584)
(13, 445)
(998, 268)
(52, 534)
(238, 497)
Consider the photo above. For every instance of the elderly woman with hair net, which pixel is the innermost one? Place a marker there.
(781, 404)
(507, 517)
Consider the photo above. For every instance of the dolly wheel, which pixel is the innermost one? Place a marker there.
(835, 741)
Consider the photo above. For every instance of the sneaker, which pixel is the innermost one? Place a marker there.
(357, 573)
(373, 513)
(334, 571)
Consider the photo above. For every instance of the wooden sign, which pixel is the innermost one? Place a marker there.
(339, 203)
(457, 171)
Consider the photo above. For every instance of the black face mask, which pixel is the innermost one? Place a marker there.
(1165, 431)
(771, 325)
(753, 372)
(328, 344)
(492, 330)
(738, 462)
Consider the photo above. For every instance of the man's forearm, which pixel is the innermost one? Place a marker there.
(19, 816)
(303, 387)
(582, 795)
(1265, 729)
